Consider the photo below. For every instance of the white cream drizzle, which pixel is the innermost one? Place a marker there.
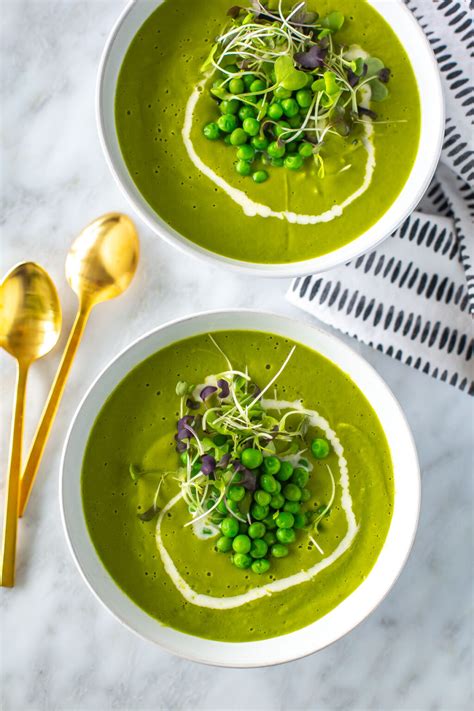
(226, 603)
(252, 208)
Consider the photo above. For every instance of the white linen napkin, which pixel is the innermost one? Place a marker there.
(412, 298)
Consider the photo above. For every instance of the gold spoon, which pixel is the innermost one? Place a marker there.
(30, 323)
(100, 265)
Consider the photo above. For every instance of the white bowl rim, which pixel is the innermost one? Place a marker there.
(394, 216)
(240, 660)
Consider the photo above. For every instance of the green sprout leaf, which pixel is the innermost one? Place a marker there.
(287, 75)
(379, 90)
(333, 22)
(374, 65)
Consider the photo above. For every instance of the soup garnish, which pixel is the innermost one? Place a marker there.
(282, 84)
(243, 471)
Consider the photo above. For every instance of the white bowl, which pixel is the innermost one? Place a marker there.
(432, 128)
(354, 608)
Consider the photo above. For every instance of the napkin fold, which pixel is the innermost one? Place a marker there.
(413, 297)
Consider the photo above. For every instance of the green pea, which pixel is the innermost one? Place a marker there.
(251, 458)
(236, 493)
(292, 147)
(290, 107)
(236, 86)
(257, 85)
(295, 121)
(248, 79)
(243, 527)
(305, 150)
(300, 520)
(241, 543)
(251, 126)
(292, 507)
(247, 112)
(304, 98)
(221, 507)
(238, 137)
(260, 176)
(320, 448)
(211, 131)
(305, 495)
(275, 150)
(279, 551)
(281, 93)
(270, 523)
(227, 139)
(271, 465)
(261, 566)
(269, 538)
(231, 68)
(268, 483)
(293, 162)
(292, 492)
(285, 535)
(259, 143)
(300, 477)
(278, 162)
(246, 152)
(258, 512)
(229, 527)
(262, 497)
(286, 471)
(243, 167)
(229, 106)
(285, 520)
(219, 440)
(275, 111)
(257, 530)
(259, 548)
(227, 123)
(277, 501)
(281, 128)
(224, 544)
(242, 560)
(262, 109)
(233, 506)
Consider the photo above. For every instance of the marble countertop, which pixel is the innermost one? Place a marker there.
(59, 648)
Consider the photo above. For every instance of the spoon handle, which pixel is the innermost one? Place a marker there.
(10, 523)
(51, 407)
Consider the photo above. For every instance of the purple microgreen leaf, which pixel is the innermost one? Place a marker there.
(352, 78)
(367, 112)
(181, 447)
(384, 75)
(249, 480)
(150, 514)
(192, 404)
(224, 386)
(234, 11)
(313, 58)
(208, 464)
(238, 466)
(207, 391)
(224, 461)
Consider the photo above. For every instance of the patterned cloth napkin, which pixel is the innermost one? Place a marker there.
(413, 297)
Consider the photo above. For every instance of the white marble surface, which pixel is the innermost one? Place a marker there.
(59, 648)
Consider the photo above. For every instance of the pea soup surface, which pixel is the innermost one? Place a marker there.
(163, 103)
(179, 578)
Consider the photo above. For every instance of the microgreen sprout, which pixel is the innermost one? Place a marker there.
(283, 84)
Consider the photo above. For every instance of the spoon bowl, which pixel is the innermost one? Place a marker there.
(30, 324)
(103, 259)
(30, 312)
